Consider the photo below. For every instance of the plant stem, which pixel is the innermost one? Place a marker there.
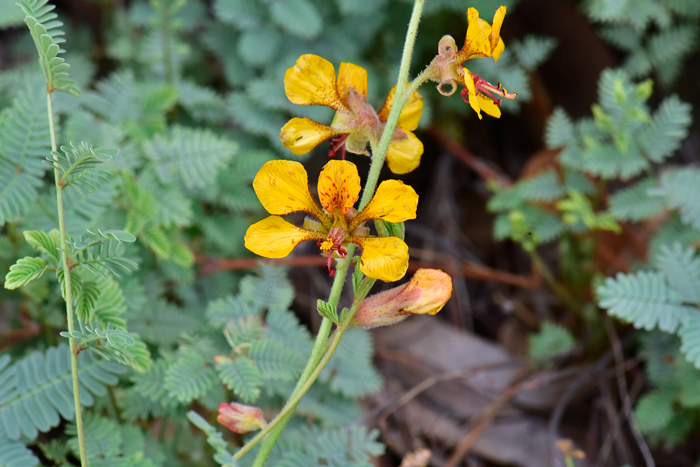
(400, 99)
(276, 426)
(67, 286)
(556, 286)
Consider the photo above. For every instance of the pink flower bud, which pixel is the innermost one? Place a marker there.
(426, 293)
(240, 418)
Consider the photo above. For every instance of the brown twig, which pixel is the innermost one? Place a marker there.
(29, 330)
(469, 159)
(624, 393)
(469, 269)
(487, 416)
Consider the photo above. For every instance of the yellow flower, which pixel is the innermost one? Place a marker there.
(312, 81)
(482, 40)
(282, 187)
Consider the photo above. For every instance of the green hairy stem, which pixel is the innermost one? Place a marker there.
(67, 286)
(323, 348)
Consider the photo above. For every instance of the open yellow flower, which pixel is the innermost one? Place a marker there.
(312, 81)
(482, 40)
(282, 187)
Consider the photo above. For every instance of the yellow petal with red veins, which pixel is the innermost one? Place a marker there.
(283, 187)
(312, 82)
(489, 106)
(394, 201)
(350, 74)
(338, 186)
(403, 155)
(410, 114)
(496, 30)
(383, 258)
(478, 42)
(469, 83)
(274, 237)
(301, 135)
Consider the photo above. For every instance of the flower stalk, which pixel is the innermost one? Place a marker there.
(67, 285)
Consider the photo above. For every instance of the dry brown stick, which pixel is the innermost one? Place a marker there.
(483, 169)
(469, 270)
(15, 336)
(624, 393)
(486, 417)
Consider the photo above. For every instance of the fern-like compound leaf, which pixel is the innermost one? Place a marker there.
(271, 290)
(24, 271)
(645, 300)
(24, 143)
(242, 377)
(72, 163)
(214, 439)
(15, 454)
(681, 188)
(668, 127)
(47, 35)
(550, 341)
(36, 391)
(682, 271)
(690, 338)
(274, 360)
(560, 130)
(190, 377)
(634, 202)
(191, 156)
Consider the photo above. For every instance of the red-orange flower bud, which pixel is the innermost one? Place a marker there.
(240, 418)
(426, 293)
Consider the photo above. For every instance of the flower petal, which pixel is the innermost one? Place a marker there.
(410, 114)
(488, 106)
(383, 258)
(469, 83)
(338, 186)
(394, 201)
(403, 155)
(311, 81)
(283, 187)
(350, 74)
(274, 237)
(498, 50)
(477, 42)
(496, 31)
(301, 135)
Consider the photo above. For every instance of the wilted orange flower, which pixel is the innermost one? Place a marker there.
(482, 40)
(240, 418)
(312, 81)
(283, 188)
(426, 293)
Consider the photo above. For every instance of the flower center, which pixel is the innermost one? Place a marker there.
(484, 87)
(333, 243)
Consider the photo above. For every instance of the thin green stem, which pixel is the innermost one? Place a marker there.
(400, 99)
(287, 411)
(68, 289)
(276, 426)
(556, 286)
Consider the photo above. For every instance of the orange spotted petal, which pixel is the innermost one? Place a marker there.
(338, 186)
(383, 258)
(394, 201)
(283, 188)
(311, 81)
(350, 74)
(478, 40)
(404, 154)
(274, 237)
(301, 135)
(410, 114)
